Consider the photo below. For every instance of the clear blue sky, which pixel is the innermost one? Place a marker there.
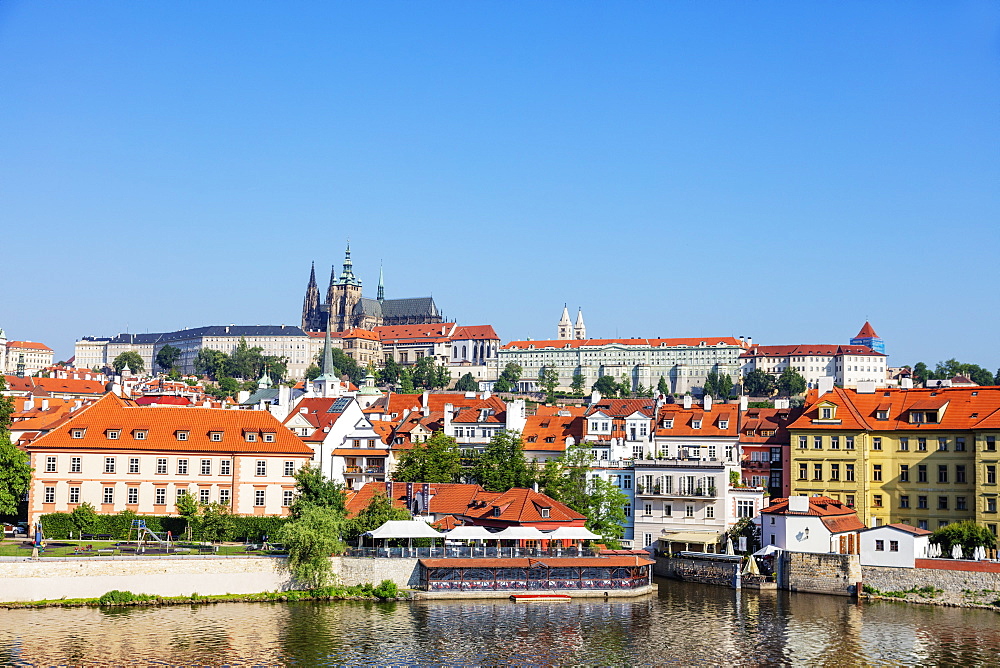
(779, 170)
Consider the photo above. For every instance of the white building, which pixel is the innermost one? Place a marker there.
(26, 358)
(816, 524)
(838, 365)
(895, 545)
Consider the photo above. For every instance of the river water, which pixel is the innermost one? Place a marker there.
(684, 624)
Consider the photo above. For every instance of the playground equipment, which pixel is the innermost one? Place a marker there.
(145, 534)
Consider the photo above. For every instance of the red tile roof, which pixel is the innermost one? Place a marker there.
(804, 350)
(28, 344)
(656, 343)
(819, 506)
(684, 419)
(906, 528)
(610, 561)
(549, 432)
(415, 332)
(475, 332)
(622, 408)
(54, 385)
(867, 332)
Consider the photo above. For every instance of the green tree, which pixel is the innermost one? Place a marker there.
(442, 377)
(129, 358)
(725, 386)
(214, 522)
(311, 538)
(315, 490)
(662, 387)
(406, 385)
(548, 378)
(15, 469)
(501, 466)
(378, 511)
(466, 384)
(424, 372)
(606, 511)
(568, 480)
(920, 373)
(981, 376)
(758, 383)
(313, 372)
(512, 372)
(83, 517)
(389, 375)
(579, 380)
(607, 386)
(502, 385)
(187, 508)
(437, 460)
(711, 386)
(625, 387)
(167, 357)
(996, 378)
(967, 534)
(791, 382)
(276, 367)
(745, 526)
(211, 363)
(244, 362)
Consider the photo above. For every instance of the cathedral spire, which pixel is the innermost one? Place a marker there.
(565, 329)
(347, 276)
(579, 329)
(310, 305)
(312, 275)
(327, 354)
(381, 285)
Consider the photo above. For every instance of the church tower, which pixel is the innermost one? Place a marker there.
(312, 319)
(579, 329)
(868, 337)
(343, 294)
(565, 328)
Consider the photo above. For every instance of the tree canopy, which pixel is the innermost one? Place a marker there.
(951, 368)
(310, 539)
(313, 489)
(579, 380)
(378, 511)
(167, 357)
(758, 383)
(502, 466)
(437, 460)
(718, 384)
(15, 469)
(791, 382)
(131, 359)
(548, 378)
(662, 387)
(466, 384)
(568, 480)
(967, 534)
(607, 386)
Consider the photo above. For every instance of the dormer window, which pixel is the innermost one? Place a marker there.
(139, 434)
(215, 436)
(496, 511)
(826, 413)
(696, 424)
(881, 415)
(77, 433)
(250, 436)
(723, 424)
(113, 434)
(668, 424)
(181, 435)
(545, 513)
(268, 438)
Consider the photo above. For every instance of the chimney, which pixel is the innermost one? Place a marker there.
(448, 431)
(798, 504)
(906, 383)
(45, 404)
(782, 403)
(595, 397)
(707, 402)
(744, 402)
(824, 385)
(29, 404)
(687, 402)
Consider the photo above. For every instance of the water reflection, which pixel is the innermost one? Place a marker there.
(683, 624)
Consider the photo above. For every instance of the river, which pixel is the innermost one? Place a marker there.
(684, 624)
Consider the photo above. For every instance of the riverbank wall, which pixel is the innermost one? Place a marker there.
(697, 570)
(951, 581)
(836, 574)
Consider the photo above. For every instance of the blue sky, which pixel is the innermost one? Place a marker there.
(778, 170)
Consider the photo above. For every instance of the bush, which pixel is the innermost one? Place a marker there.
(60, 525)
(386, 589)
(117, 597)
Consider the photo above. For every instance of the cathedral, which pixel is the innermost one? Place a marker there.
(346, 308)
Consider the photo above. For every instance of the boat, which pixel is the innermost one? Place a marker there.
(540, 598)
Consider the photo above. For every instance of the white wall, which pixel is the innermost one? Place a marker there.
(909, 547)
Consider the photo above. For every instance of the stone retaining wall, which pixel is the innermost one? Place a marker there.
(819, 573)
(359, 570)
(696, 570)
(903, 579)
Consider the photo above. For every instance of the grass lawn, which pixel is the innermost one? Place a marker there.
(66, 548)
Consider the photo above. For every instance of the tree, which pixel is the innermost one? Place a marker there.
(996, 378)
(214, 521)
(442, 377)
(167, 357)
(967, 534)
(437, 460)
(920, 373)
(187, 508)
(568, 481)
(244, 362)
(625, 386)
(981, 376)
(313, 371)
(512, 372)
(607, 386)
(662, 387)
(711, 385)
(502, 385)
(311, 538)
(548, 378)
(211, 362)
(501, 466)
(378, 511)
(791, 382)
(466, 384)
(725, 386)
(745, 526)
(606, 511)
(15, 469)
(83, 518)
(129, 358)
(406, 385)
(579, 380)
(389, 375)
(315, 490)
(423, 372)
(758, 383)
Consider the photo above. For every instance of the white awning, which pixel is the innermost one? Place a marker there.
(519, 533)
(572, 533)
(470, 533)
(766, 550)
(695, 537)
(404, 529)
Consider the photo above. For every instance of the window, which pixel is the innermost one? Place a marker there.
(78, 433)
(224, 467)
(817, 471)
(647, 539)
(182, 435)
(215, 436)
(803, 471)
(109, 464)
(922, 502)
(881, 415)
(161, 466)
(802, 442)
(991, 474)
(627, 482)
(826, 413)
(132, 495)
(160, 496)
(286, 497)
(877, 472)
(904, 501)
(943, 473)
(258, 497)
(50, 495)
(960, 444)
(960, 503)
(268, 438)
(109, 495)
(182, 466)
(723, 424)
(627, 509)
(921, 472)
(849, 500)
(960, 473)
(647, 509)
(668, 510)
(922, 524)
(50, 464)
(139, 434)
(942, 443)
(250, 437)
(74, 495)
(877, 443)
(261, 467)
(880, 546)
(75, 465)
(688, 511)
(544, 513)
(289, 468)
(904, 473)
(834, 471)
(876, 501)
(817, 442)
(835, 442)
(182, 491)
(224, 497)
(849, 472)
(942, 503)
(849, 442)
(922, 444)
(113, 434)
(904, 443)
(204, 495)
(744, 508)
(894, 546)
(709, 512)
(991, 443)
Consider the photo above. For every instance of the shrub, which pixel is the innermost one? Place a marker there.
(386, 589)
(60, 525)
(117, 597)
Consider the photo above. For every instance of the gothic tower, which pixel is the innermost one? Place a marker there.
(312, 319)
(565, 328)
(579, 329)
(343, 294)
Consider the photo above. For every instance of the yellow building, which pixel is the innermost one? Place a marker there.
(924, 457)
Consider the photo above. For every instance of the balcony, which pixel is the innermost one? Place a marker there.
(693, 463)
(698, 492)
(757, 465)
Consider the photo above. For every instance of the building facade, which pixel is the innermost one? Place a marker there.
(845, 366)
(26, 358)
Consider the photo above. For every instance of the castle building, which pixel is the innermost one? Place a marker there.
(868, 337)
(347, 308)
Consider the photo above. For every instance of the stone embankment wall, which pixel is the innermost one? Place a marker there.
(819, 573)
(356, 571)
(904, 579)
(696, 570)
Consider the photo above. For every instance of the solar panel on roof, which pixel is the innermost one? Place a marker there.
(339, 405)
